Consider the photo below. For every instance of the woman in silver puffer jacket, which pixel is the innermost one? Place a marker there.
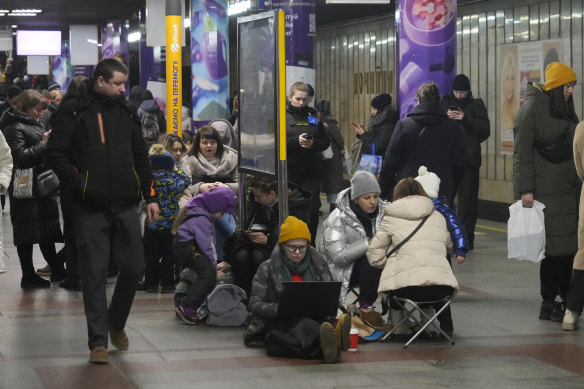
(346, 235)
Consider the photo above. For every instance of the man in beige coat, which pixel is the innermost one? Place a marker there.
(576, 289)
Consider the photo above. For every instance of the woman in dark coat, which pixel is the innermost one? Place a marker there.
(547, 115)
(331, 169)
(34, 220)
(384, 115)
(425, 137)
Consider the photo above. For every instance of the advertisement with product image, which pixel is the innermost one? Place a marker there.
(210, 64)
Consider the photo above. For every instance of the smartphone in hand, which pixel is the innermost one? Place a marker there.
(355, 124)
(454, 108)
(308, 137)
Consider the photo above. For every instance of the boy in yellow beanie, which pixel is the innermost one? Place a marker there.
(293, 260)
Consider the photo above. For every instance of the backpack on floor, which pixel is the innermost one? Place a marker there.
(226, 304)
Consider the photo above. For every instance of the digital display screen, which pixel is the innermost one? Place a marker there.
(38, 42)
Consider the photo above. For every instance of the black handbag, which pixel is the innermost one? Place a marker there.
(47, 184)
(558, 149)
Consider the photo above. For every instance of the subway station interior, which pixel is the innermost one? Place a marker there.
(356, 54)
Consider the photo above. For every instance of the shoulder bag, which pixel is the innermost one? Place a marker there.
(400, 244)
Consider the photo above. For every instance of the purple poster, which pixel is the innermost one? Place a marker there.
(300, 31)
(62, 69)
(426, 49)
(83, 70)
(114, 43)
(210, 64)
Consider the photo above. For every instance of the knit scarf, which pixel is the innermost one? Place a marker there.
(304, 268)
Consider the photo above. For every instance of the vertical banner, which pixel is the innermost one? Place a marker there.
(173, 67)
(426, 49)
(520, 64)
(62, 69)
(300, 30)
(114, 43)
(210, 63)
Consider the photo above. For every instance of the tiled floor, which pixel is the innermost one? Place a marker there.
(500, 343)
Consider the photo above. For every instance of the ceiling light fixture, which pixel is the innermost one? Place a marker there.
(21, 14)
(36, 11)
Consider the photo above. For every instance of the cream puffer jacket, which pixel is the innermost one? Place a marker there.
(422, 260)
(5, 165)
(344, 240)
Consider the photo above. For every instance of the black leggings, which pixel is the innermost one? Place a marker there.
(25, 255)
(554, 276)
(576, 291)
(244, 265)
(205, 281)
(367, 277)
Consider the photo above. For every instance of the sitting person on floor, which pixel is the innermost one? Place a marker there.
(194, 248)
(346, 236)
(292, 260)
(417, 270)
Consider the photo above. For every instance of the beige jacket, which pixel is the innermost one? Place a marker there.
(579, 162)
(5, 165)
(421, 261)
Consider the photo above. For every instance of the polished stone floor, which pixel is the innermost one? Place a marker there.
(500, 343)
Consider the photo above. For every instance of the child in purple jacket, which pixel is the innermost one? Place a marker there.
(194, 248)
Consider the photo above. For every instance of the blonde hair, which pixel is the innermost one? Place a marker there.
(508, 107)
(298, 87)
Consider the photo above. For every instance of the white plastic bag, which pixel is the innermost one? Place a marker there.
(347, 162)
(526, 232)
(327, 154)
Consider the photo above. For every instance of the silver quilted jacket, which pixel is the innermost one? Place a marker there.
(344, 240)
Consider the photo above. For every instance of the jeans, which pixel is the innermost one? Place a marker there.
(224, 227)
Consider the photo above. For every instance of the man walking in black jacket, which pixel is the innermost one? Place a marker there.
(472, 115)
(97, 150)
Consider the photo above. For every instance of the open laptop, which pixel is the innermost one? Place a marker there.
(309, 299)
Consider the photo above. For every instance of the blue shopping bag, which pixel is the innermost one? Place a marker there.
(371, 162)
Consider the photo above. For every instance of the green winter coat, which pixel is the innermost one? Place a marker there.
(556, 185)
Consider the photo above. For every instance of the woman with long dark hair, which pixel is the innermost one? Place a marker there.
(543, 170)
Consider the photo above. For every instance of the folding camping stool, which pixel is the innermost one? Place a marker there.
(352, 289)
(409, 313)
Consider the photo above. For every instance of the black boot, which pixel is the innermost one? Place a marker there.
(33, 281)
(559, 311)
(546, 311)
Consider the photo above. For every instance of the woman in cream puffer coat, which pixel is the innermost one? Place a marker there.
(422, 260)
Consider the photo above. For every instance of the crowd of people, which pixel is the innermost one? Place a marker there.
(158, 209)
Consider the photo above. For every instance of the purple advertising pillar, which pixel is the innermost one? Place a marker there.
(114, 43)
(300, 32)
(426, 47)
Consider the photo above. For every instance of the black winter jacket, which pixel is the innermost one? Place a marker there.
(476, 127)
(380, 130)
(97, 150)
(34, 220)
(425, 137)
(302, 162)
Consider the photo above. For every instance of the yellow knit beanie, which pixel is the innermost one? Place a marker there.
(293, 228)
(557, 74)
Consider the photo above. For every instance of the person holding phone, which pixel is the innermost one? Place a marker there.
(382, 121)
(471, 114)
(306, 138)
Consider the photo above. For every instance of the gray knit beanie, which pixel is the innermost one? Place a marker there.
(362, 183)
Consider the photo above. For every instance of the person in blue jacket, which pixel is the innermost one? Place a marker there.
(431, 184)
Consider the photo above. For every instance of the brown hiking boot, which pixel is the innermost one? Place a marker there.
(118, 338)
(343, 332)
(328, 342)
(98, 355)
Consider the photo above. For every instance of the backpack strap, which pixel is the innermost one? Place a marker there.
(408, 237)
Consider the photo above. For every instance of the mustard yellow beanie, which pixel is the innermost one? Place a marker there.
(557, 74)
(293, 228)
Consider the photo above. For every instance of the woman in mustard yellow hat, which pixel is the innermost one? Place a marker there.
(293, 259)
(543, 170)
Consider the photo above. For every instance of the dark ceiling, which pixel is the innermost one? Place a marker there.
(62, 13)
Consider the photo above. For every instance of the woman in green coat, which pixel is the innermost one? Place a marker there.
(543, 170)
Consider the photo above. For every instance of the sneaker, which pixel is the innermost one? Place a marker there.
(187, 314)
(58, 274)
(328, 342)
(45, 271)
(34, 282)
(99, 355)
(2, 266)
(343, 332)
(546, 310)
(570, 322)
(118, 338)
(559, 311)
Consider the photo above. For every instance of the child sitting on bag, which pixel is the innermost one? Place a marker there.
(194, 248)
(431, 184)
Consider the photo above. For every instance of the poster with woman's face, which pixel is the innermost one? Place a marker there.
(509, 92)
